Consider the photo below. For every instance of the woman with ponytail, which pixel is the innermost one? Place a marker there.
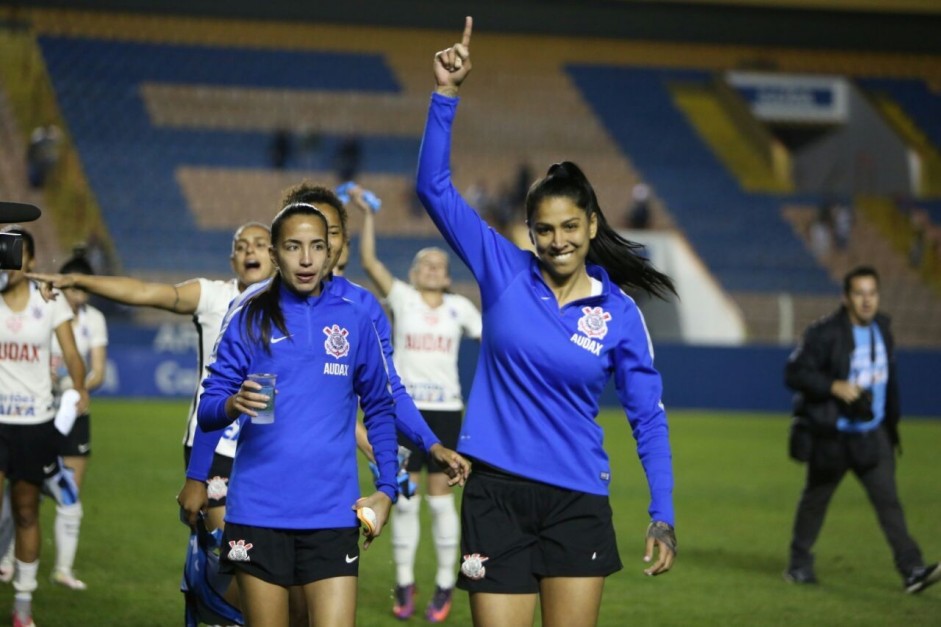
(536, 524)
(291, 516)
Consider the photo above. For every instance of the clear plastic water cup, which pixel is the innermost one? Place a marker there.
(267, 382)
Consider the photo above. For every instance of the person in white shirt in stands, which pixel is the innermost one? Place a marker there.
(28, 437)
(428, 324)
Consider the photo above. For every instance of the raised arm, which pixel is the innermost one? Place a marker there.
(453, 64)
(377, 271)
(182, 298)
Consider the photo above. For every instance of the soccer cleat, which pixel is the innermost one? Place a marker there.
(922, 577)
(67, 579)
(404, 601)
(800, 576)
(17, 622)
(440, 605)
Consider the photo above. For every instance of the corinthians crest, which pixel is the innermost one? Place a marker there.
(593, 323)
(336, 343)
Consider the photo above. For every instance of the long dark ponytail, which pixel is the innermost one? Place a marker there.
(621, 258)
(264, 308)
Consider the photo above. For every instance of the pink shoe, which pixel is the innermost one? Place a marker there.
(404, 601)
(440, 605)
(18, 623)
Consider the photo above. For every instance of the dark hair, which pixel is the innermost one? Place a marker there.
(621, 258)
(29, 244)
(77, 264)
(316, 195)
(857, 272)
(265, 306)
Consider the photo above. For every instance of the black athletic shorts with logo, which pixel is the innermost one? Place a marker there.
(515, 531)
(290, 557)
(444, 424)
(78, 442)
(29, 452)
(217, 486)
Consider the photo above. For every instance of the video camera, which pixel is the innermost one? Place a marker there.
(11, 244)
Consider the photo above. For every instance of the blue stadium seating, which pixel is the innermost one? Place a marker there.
(130, 163)
(741, 236)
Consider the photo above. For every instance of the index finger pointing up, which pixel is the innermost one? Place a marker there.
(468, 27)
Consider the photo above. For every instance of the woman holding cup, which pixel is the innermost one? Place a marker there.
(291, 518)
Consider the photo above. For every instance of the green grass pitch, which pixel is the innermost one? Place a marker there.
(735, 496)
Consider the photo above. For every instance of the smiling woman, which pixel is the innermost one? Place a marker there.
(536, 523)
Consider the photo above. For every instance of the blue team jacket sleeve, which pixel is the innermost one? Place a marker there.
(491, 258)
(202, 453)
(226, 374)
(639, 388)
(372, 385)
(408, 420)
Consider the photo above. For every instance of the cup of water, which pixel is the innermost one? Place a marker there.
(267, 382)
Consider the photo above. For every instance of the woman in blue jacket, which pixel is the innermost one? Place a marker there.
(290, 518)
(536, 522)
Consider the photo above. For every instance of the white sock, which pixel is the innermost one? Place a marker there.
(68, 523)
(445, 529)
(405, 530)
(24, 581)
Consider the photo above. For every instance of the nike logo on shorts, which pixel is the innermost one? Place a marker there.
(48, 469)
(350, 560)
(84, 448)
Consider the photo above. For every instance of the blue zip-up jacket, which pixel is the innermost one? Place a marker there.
(542, 369)
(300, 472)
(408, 420)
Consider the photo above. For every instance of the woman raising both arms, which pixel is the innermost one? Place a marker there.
(536, 521)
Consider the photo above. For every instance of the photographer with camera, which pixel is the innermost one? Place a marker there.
(846, 415)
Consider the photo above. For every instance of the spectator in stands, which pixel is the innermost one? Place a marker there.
(281, 148)
(429, 323)
(536, 522)
(347, 158)
(28, 437)
(842, 224)
(846, 419)
(920, 223)
(42, 155)
(638, 216)
(821, 231)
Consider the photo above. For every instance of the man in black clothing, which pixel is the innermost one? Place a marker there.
(846, 412)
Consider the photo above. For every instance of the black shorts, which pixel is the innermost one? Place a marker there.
(217, 486)
(515, 531)
(29, 452)
(444, 424)
(78, 442)
(290, 557)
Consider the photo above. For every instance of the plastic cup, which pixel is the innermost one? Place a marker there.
(267, 382)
